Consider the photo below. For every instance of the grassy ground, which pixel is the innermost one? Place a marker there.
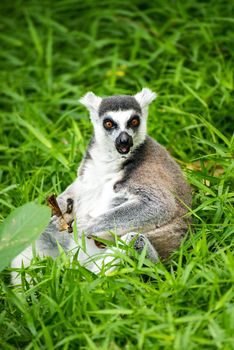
(51, 53)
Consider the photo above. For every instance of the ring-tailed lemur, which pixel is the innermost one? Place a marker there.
(127, 183)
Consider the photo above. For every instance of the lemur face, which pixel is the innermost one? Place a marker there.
(125, 129)
(119, 121)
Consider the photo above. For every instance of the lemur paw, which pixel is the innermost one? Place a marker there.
(139, 243)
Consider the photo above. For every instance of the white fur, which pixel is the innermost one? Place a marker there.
(92, 103)
(102, 171)
(106, 258)
(144, 98)
(95, 188)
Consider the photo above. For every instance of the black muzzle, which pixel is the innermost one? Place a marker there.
(123, 143)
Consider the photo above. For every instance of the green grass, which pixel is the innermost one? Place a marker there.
(51, 53)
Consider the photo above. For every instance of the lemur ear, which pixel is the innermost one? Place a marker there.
(91, 102)
(145, 97)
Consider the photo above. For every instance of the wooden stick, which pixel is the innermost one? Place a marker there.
(53, 204)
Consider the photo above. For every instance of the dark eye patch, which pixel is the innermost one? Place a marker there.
(109, 124)
(134, 121)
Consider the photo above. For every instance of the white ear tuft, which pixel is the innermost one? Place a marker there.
(145, 97)
(91, 101)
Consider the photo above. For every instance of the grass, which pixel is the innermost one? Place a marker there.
(52, 52)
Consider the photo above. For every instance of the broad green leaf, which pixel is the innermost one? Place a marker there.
(20, 229)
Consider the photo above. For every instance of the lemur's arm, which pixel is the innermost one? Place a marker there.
(145, 209)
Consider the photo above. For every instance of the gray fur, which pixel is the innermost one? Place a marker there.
(118, 102)
(159, 208)
(161, 198)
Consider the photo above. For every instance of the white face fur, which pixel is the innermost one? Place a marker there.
(119, 131)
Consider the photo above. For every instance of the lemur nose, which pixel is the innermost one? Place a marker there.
(124, 139)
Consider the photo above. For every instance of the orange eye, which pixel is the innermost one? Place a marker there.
(135, 122)
(108, 124)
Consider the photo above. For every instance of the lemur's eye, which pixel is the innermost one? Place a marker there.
(108, 124)
(135, 121)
